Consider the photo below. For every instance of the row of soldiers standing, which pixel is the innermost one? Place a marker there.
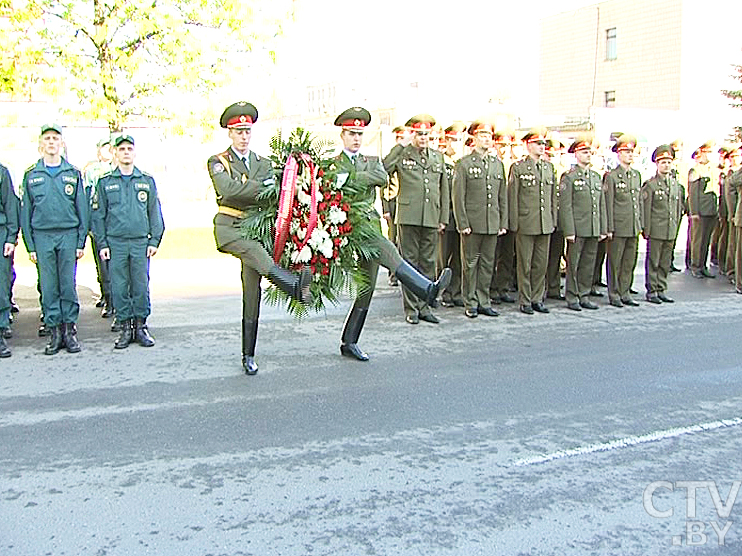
(504, 218)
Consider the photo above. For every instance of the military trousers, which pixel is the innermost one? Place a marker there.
(504, 273)
(621, 264)
(703, 228)
(418, 246)
(688, 244)
(556, 252)
(598, 265)
(532, 253)
(5, 278)
(389, 258)
(479, 262)
(449, 255)
(738, 258)
(721, 246)
(101, 270)
(56, 253)
(731, 248)
(129, 268)
(256, 262)
(657, 265)
(580, 266)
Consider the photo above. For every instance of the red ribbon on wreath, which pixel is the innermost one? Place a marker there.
(286, 203)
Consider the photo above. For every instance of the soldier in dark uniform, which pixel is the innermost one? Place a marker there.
(54, 219)
(450, 242)
(480, 205)
(662, 208)
(532, 198)
(422, 208)
(703, 199)
(622, 189)
(582, 218)
(503, 276)
(128, 228)
(735, 183)
(9, 226)
(556, 242)
(368, 170)
(238, 174)
(389, 202)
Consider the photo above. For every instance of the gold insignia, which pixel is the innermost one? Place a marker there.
(142, 196)
(68, 189)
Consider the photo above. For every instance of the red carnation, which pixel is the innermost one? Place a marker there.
(335, 253)
(338, 196)
(325, 270)
(322, 207)
(323, 259)
(314, 269)
(314, 258)
(327, 195)
(320, 173)
(336, 241)
(346, 207)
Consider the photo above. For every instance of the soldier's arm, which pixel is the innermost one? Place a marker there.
(82, 207)
(11, 207)
(392, 159)
(696, 186)
(603, 215)
(98, 218)
(646, 205)
(375, 175)
(445, 198)
(26, 213)
(513, 199)
(566, 214)
(608, 194)
(502, 195)
(554, 197)
(241, 190)
(154, 212)
(458, 196)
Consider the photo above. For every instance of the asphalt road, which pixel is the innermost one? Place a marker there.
(519, 435)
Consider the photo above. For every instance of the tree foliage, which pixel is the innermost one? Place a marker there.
(735, 96)
(115, 59)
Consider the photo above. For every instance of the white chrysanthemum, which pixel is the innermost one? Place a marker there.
(337, 215)
(334, 231)
(320, 241)
(301, 233)
(302, 197)
(303, 256)
(344, 242)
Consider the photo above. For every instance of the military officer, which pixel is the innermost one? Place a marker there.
(9, 226)
(449, 253)
(503, 277)
(54, 219)
(480, 205)
(735, 183)
(680, 173)
(422, 207)
(622, 189)
(703, 198)
(582, 218)
(389, 202)
(368, 170)
(128, 228)
(554, 155)
(731, 194)
(661, 212)
(532, 201)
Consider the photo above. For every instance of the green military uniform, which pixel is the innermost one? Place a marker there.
(9, 226)
(91, 174)
(622, 189)
(735, 182)
(127, 219)
(662, 207)
(450, 247)
(503, 275)
(532, 204)
(54, 219)
(582, 214)
(422, 207)
(703, 195)
(730, 201)
(480, 203)
(556, 241)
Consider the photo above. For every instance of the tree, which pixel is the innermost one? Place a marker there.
(117, 59)
(735, 97)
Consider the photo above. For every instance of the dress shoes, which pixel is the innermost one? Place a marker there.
(527, 309)
(697, 274)
(471, 313)
(4, 349)
(674, 268)
(707, 273)
(633, 291)
(595, 293)
(352, 350)
(540, 307)
(487, 311)
(574, 306)
(587, 304)
(429, 317)
(447, 303)
(458, 303)
(630, 302)
(14, 307)
(654, 299)
(738, 290)
(616, 302)
(558, 296)
(249, 365)
(602, 284)
(7, 333)
(412, 319)
(665, 299)
(507, 298)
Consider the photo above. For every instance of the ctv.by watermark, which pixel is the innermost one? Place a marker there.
(697, 532)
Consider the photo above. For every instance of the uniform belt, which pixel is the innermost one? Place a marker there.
(229, 211)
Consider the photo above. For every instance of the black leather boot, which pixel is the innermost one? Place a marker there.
(352, 331)
(4, 349)
(297, 286)
(124, 338)
(141, 333)
(69, 336)
(107, 310)
(56, 340)
(419, 284)
(249, 339)
(115, 324)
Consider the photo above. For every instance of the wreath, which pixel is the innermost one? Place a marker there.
(317, 214)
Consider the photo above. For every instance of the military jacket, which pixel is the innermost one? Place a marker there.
(703, 187)
(236, 185)
(127, 208)
(582, 210)
(53, 203)
(423, 198)
(662, 207)
(366, 170)
(480, 195)
(10, 209)
(532, 197)
(450, 166)
(735, 184)
(730, 197)
(622, 190)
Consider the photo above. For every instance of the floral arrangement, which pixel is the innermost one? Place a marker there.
(318, 214)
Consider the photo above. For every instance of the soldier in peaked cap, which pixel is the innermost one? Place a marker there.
(422, 213)
(622, 190)
(662, 209)
(532, 204)
(582, 219)
(503, 276)
(369, 171)
(553, 153)
(449, 249)
(54, 218)
(481, 212)
(703, 202)
(238, 174)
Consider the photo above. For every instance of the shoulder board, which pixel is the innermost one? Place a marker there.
(30, 168)
(148, 175)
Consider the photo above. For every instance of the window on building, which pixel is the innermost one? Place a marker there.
(611, 49)
(610, 99)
